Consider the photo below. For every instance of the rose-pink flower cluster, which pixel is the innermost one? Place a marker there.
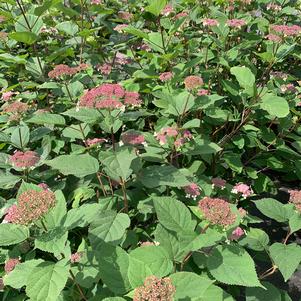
(10, 265)
(192, 191)
(132, 138)
(192, 82)
(295, 198)
(286, 30)
(65, 70)
(166, 76)
(24, 159)
(218, 182)
(210, 22)
(237, 234)
(244, 189)
(236, 23)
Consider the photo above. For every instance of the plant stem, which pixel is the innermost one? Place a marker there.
(78, 287)
(68, 91)
(125, 199)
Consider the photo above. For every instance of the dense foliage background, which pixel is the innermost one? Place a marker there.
(150, 150)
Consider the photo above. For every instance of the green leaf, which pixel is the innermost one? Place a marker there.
(119, 164)
(147, 261)
(69, 27)
(244, 76)
(114, 265)
(109, 227)
(20, 136)
(136, 32)
(156, 6)
(272, 209)
(47, 118)
(256, 239)
(286, 257)
(190, 286)
(53, 241)
(85, 165)
(295, 222)
(47, 280)
(215, 293)
(232, 265)
(202, 147)
(275, 105)
(154, 176)
(8, 180)
(18, 277)
(11, 234)
(86, 115)
(24, 37)
(173, 214)
(46, 5)
(260, 294)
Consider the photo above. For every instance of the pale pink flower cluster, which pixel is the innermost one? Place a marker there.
(279, 74)
(218, 182)
(242, 212)
(192, 82)
(120, 28)
(24, 159)
(49, 30)
(295, 198)
(273, 7)
(192, 191)
(164, 133)
(217, 211)
(65, 70)
(236, 23)
(121, 59)
(288, 88)
(155, 289)
(95, 141)
(10, 265)
(237, 234)
(109, 96)
(203, 92)
(243, 189)
(125, 15)
(166, 76)
(7, 95)
(274, 38)
(31, 205)
(181, 15)
(44, 186)
(16, 107)
(96, 2)
(210, 22)
(3, 36)
(132, 138)
(168, 9)
(286, 30)
(105, 68)
(76, 257)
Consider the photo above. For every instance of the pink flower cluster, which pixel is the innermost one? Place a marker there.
(132, 138)
(217, 211)
(236, 23)
(192, 82)
(274, 38)
(273, 7)
(237, 234)
(120, 28)
(295, 198)
(96, 2)
(181, 15)
(180, 137)
(109, 96)
(244, 189)
(24, 159)
(10, 264)
(165, 76)
(203, 92)
(16, 107)
(31, 205)
(125, 15)
(76, 257)
(288, 88)
(218, 182)
(286, 30)
(210, 22)
(95, 141)
(192, 191)
(65, 70)
(7, 95)
(105, 68)
(155, 289)
(168, 9)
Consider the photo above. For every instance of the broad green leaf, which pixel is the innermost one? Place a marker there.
(87, 115)
(272, 208)
(24, 37)
(256, 239)
(20, 136)
(147, 261)
(173, 214)
(154, 176)
(244, 76)
(215, 293)
(295, 222)
(47, 280)
(85, 165)
(156, 6)
(201, 147)
(275, 105)
(69, 27)
(109, 227)
(47, 118)
(11, 234)
(286, 257)
(29, 23)
(53, 241)
(46, 5)
(8, 180)
(119, 164)
(114, 299)
(136, 32)
(18, 277)
(260, 294)
(190, 286)
(232, 265)
(114, 265)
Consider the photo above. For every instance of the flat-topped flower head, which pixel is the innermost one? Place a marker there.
(218, 182)
(236, 23)
(10, 265)
(7, 95)
(165, 76)
(244, 189)
(24, 159)
(286, 30)
(217, 211)
(295, 198)
(167, 10)
(132, 138)
(210, 22)
(96, 2)
(95, 141)
(62, 70)
(237, 234)
(105, 68)
(132, 99)
(76, 257)
(155, 289)
(274, 38)
(192, 82)
(31, 206)
(16, 107)
(203, 92)
(192, 191)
